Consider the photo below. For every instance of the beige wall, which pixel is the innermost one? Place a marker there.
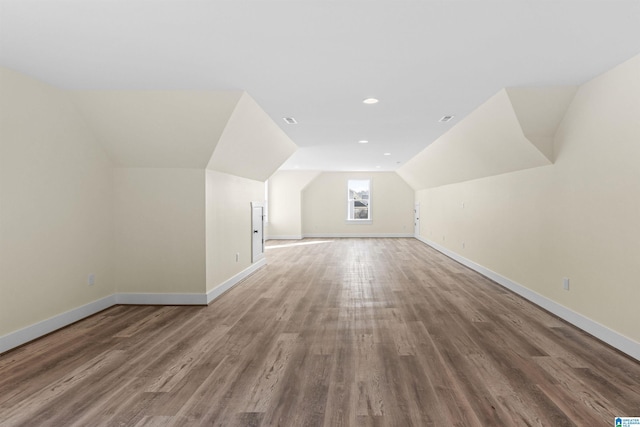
(66, 212)
(577, 218)
(285, 203)
(56, 196)
(157, 128)
(228, 224)
(251, 145)
(324, 205)
(159, 230)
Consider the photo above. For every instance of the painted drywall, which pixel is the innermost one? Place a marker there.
(324, 205)
(252, 145)
(159, 230)
(157, 128)
(228, 224)
(539, 111)
(511, 131)
(577, 218)
(489, 141)
(68, 209)
(56, 196)
(285, 203)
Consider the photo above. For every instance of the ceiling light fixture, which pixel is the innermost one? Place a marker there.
(370, 101)
(290, 120)
(445, 119)
(363, 141)
(387, 154)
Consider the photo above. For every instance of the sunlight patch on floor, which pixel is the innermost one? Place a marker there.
(289, 245)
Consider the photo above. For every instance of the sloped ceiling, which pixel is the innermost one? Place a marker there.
(159, 129)
(539, 112)
(512, 131)
(316, 60)
(252, 145)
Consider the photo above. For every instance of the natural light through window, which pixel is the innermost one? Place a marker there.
(359, 200)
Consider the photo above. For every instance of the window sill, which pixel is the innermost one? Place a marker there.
(359, 221)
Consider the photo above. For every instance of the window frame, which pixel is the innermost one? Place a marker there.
(350, 201)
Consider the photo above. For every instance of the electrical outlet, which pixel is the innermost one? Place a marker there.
(91, 280)
(565, 283)
(237, 256)
(462, 245)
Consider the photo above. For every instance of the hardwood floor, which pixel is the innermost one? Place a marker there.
(350, 332)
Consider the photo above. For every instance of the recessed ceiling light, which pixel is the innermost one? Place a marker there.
(370, 101)
(387, 154)
(363, 141)
(290, 120)
(445, 119)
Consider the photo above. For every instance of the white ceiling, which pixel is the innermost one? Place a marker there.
(316, 60)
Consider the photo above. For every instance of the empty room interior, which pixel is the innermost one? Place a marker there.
(319, 213)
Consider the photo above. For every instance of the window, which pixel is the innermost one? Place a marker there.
(359, 200)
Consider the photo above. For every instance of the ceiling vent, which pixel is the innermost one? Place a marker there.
(445, 119)
(290, 120)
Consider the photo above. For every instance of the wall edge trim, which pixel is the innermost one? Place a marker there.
(234, 280)
(44, 327)
(599, 331)
(132, 298)
(37, 330)
(355, 235)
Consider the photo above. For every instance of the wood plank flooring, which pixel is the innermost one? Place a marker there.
(348, 332)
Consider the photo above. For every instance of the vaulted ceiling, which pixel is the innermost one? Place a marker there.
(314, 60)
(512, 131)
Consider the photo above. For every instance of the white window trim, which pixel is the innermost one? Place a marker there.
(359, 221)
(356, 220)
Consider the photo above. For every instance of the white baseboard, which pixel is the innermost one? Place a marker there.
(285, 237)
(230, 283)
(30, 333)
(126, 298)
(355, 235)
(611, 337)
(37, 330)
